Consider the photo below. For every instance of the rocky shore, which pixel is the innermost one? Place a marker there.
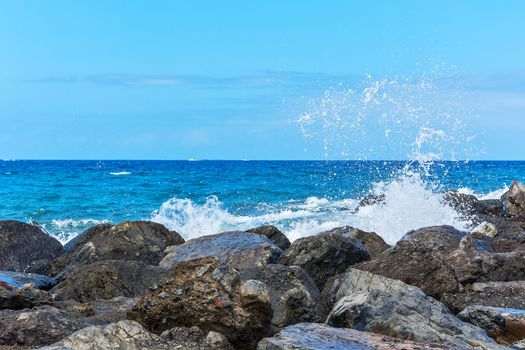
(137, 285)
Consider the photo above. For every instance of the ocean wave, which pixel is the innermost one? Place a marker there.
(66, 229)
(120, 173)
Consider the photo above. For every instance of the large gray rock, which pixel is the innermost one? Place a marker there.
(131, 335)
(506, 326)
(273, 234)
(237, 248)
(43, 325)
(496, 294)
(108, 279)
(514, 199)
(207, 293)
(26, 248)
(316, 336)
(142, 241)
(294, 296)
(420, 259)
(326, 254)
(373, 303)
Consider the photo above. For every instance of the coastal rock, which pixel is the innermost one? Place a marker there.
(208, 293)
(420, 259)
(294, 296)
(374, 303)
(473, 208)
(326, 254)
(101, 310)
(486, 228)
(81, 239)
(131, 335)
(273, 234)
(373, 243)
(514, 199)
(496, 294)
(43, 325)
(506, 326)
(315, 336)
(107, 279)
(142, 241)
(25, 247)
(24, 297)
(237, 248)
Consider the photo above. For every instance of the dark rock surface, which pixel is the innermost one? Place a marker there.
(316, 336)
(506, 326)
(208, 294)
(237, 248)
(108, 279)
(373, 303)
(514, 199)
(326, 254)
(24, 297)
(43, 325)
(294, 296)
(273, 234)
(26, 248)
(420, 259)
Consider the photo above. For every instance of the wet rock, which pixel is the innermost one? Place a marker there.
(325, 255)
(39, 326)
(496, 294)
(273, 234)
(131, 335)
(471, 207)
(142, 241)
(81, 239)
(27, 296)
(101, 310)
(26, 248)
(369, 200)
(314, 336)
(11, 280)
(208, 293)
(486, 228)
(294, 296)
(514, 199)
(239, 249)
(420, 259)
(506, 326)
(107, 279)
(373, 243)
(374, 303)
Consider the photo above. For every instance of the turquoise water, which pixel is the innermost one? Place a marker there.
(204, 197)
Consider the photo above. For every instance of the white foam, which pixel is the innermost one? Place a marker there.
(66, 229)
(120, 173)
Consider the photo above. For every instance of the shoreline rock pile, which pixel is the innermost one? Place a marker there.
(137, 285)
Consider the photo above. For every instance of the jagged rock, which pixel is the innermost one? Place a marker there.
(239, 249)
(496, 294)
(369, 200)
(39, 326)
(420, 259)
(207, 293)
(107, 279)
(273, 234)
(471, 207)
(294, 296)
(514, 199)
(486, 228)
(315, 336)
(100, 310)
(374, 303)
(326, 254)
(26, 248)
(81, 239)
(142, 241)
(12, 280)
(506, 326)
(131, 335)
(27, 296)
(373, 243)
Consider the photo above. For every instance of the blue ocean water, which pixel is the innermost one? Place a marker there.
(205, 197)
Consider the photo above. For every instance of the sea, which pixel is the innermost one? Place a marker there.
(202, 197)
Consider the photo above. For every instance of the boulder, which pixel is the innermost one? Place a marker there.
(26, 248)
(273, 234)
(506, 326)
(208, 293)
(496, 294)
(326, 254)
(314, 336)
(107, 279)
(294, 296)
(237, 248)
(81, 239)
(420, 259)
(24, 297)
(373, 243)
(373, 303)
(485, 228)
(142, 241)
(131, 335)
(514, 199)
(101, 310)
(43, 325)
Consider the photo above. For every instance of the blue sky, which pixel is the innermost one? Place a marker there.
(229, 80)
